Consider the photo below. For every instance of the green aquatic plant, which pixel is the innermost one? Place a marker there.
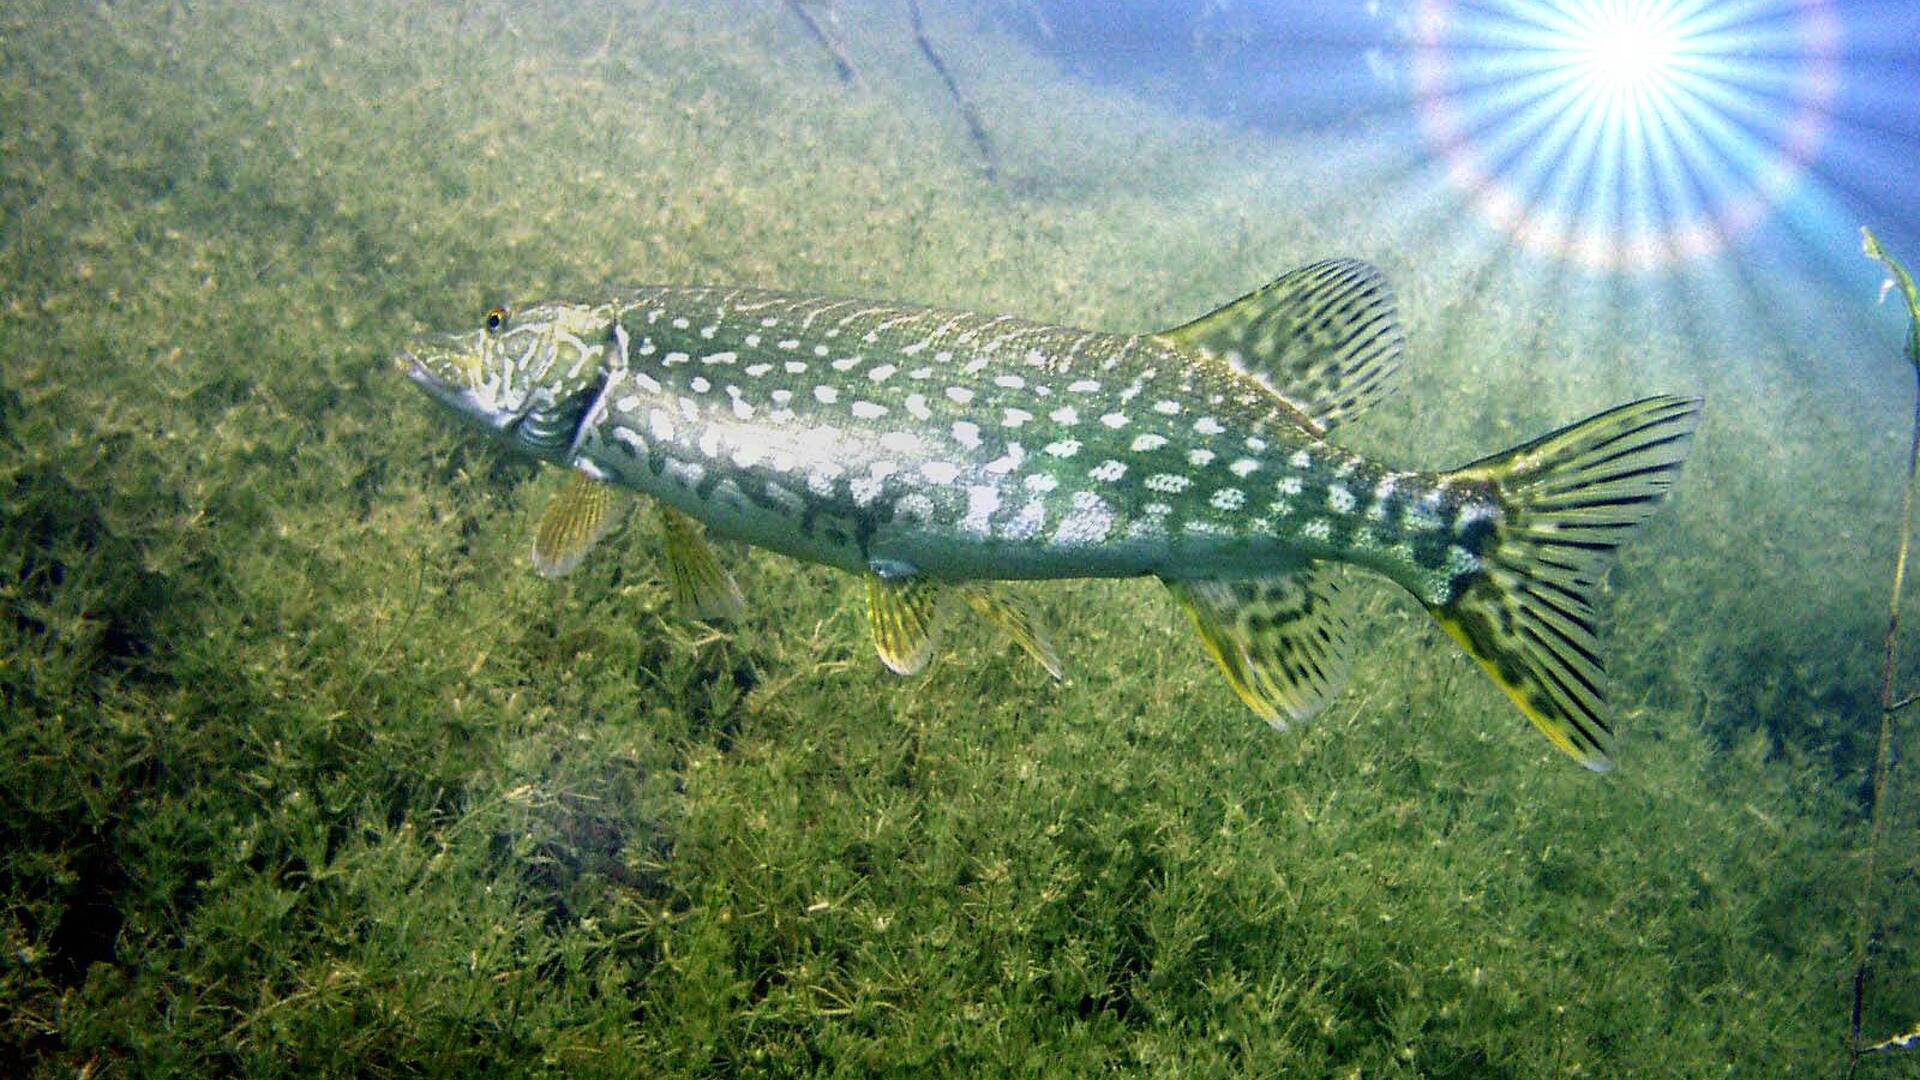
(302, 772)
(841, 62)
(1890, 705)
(976, 130)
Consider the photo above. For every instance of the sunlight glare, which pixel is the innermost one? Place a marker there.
(1625, 134)
(1626, 52)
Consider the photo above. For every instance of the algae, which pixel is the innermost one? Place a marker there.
(303, 770)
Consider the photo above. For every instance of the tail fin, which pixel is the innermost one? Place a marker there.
(1567, 500)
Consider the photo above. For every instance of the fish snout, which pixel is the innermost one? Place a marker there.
(408, 364)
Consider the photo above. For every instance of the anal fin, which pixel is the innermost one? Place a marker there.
(1280, 640)
(578, 516)
(696, 582)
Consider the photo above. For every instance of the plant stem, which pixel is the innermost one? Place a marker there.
(841, 63)
(1882, 763)
(975, 129)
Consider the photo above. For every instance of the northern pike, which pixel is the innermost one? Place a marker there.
(934, 451)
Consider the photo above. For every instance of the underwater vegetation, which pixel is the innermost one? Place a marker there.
(304, 771)
(1892, 703)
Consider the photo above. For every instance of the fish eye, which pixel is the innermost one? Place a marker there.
(496, 319)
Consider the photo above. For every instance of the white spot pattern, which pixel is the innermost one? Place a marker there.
(1087, 522)
(982, 501)
(1028, 522)
(1011, 460)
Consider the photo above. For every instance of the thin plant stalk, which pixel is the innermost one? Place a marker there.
(975, 129)
(841, 62)
(1889, 704)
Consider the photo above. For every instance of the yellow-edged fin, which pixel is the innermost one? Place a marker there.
(1567, 500)
(1280, 640)
(906, 613)
(576, 518)
(1018, 619)
(1325, 338)
(695, 581)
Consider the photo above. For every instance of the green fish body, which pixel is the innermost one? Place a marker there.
(933, 450)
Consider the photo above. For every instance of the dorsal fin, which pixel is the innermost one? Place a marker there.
(1325, 337)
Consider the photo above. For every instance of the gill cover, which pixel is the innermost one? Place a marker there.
(579, 348)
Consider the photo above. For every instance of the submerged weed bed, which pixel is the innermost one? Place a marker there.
(303, 770)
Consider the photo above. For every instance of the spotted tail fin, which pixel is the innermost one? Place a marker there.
(1567, 500)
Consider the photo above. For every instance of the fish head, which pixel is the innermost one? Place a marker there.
(527, 375)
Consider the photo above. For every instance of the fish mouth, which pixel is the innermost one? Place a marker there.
(457, 398)
(406, 363)
(462, 400)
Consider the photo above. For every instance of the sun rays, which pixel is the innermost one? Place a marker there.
(1625, 134)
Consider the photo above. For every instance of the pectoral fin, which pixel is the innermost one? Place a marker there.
(1018, 620)
(695, 580)
(576, 518)
(1280, 640)
(906, 612)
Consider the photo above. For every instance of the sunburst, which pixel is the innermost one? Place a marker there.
(1625, 134)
